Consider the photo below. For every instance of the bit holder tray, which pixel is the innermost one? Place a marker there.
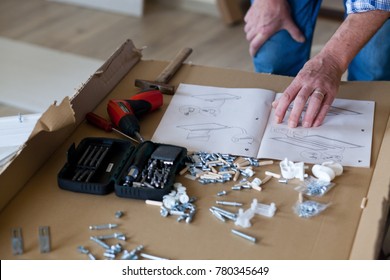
(104, 165)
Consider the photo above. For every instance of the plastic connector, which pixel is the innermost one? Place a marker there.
(244, 217)
(291, 170)
(263, 209)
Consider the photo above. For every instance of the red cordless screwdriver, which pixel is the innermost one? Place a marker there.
(104, 124)
(124, 113)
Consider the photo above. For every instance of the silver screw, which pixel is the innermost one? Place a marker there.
(117, 235)
(84, 250)
(151, 257)
(118, 214)
(229, 203)
(221, 193)
(243, 235)
(105, 226)
(101, 243)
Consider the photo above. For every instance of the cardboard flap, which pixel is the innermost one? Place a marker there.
(105, 79)
(55, 118)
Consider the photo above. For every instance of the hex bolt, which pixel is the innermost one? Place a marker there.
(117, 235)
(105, 226)
(109, 255)
(244, 235)
(84, 250)
(190, 217)
(151, 257)
(164, 212)
(217, 215)
(229, 203)
(118, 214)
(221, 193)
(225, 213)
(101, 243)
(132, 255)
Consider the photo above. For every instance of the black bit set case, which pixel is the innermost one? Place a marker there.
(105, 165)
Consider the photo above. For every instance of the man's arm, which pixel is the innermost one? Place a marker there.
(320, 77)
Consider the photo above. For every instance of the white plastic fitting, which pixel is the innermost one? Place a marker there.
(337, 167)
(287, 168)
(263, 209)
(290, 170)
(244, 217)
(327, 171)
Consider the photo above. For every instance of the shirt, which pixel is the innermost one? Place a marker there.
(358, 6)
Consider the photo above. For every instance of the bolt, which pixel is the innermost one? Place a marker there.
(190, 217)
(229, 203)
(221, 193)
(164, 212)
(225, 213)
(84, 250)
(101, 243)
(117, 235)
(217, 215)
(132, 255)
(109, 255)
(105, 226)
(243, 235)
(151, 257)
(118, 214)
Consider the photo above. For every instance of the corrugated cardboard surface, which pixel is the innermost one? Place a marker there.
(285, 236)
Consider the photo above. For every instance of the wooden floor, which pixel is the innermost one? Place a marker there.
(97, 34)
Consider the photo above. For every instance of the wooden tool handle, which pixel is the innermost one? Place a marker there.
(173, 66)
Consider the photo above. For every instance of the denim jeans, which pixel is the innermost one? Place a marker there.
(282, 55)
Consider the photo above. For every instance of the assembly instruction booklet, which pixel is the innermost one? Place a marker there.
(240, 121)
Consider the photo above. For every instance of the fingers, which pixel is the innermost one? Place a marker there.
(298, 107)
(313, 108)
(315, 103)
(256, 43)
(281, 105)
(294, 32)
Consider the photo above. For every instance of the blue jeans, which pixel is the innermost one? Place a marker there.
(282, 55)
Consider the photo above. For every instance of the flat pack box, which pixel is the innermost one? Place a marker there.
(351, 228)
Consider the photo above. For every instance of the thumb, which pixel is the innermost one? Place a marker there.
(294, 32)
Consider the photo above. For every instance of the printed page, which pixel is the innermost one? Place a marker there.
(215, 119)
(344, 137)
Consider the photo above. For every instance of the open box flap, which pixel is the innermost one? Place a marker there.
(57, 123)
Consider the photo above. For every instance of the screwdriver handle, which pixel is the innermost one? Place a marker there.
(104, 124)
(98, 121)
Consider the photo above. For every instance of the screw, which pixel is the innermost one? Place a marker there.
(117, 235)
(84, 250)
(225, 213)
(221, 193)
(243, 235)
(118, 214)
(101, 243)
(229, 203)
(217, 215)
(105, 226)
(151, 257)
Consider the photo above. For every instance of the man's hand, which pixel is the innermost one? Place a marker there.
(318, 81)
(264, 19)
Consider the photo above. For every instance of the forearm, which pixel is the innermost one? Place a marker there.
(351, 36)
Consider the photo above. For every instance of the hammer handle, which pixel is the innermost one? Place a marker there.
(173, 66)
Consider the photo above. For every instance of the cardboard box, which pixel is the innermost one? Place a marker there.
(30, 196)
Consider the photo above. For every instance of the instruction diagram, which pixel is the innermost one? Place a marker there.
(240, 121)
(210, 106)
(313, 147)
